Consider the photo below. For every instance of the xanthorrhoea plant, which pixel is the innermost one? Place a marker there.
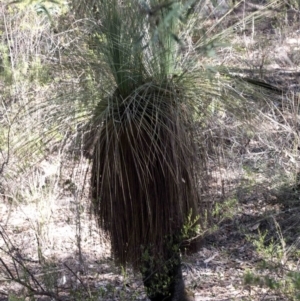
(144, 181)
(144, 162)
(151, 91)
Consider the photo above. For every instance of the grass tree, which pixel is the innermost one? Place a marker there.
(144, 183)
(145, 165)
(151, 94)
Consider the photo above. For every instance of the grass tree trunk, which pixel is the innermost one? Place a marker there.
(164, 282)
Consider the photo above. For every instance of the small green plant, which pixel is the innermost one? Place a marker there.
(225, 209)
(276, 271)
(191, 228)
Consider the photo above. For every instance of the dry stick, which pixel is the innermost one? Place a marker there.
(19, 260)
(29, 287)
(16, 269)
(11, 248)
(78, 197)
(7, 269)
(7, 157)
(84, 286)
(17, 279)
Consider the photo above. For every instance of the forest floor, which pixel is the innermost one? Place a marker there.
(67, 254)
(53, 243)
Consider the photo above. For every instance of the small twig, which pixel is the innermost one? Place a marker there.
(28, 286)
(73, 273)
(15, 260)
(8, 152)
(7, 269)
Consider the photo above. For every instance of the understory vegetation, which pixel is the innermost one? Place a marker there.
(107, 103)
